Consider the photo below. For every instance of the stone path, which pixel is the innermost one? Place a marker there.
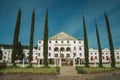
(68, 71)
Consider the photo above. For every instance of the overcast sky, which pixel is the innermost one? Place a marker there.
(64, 15)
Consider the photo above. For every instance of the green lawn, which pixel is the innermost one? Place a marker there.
(33, 70)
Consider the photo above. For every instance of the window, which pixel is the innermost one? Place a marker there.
(79, 48)
(95, 53)
(74, 41)
(91, 53)
(38, 54)
(4, 57)
(91, 58)
(62, 49)
(67, 41)
(56, 41)
(39, 41)
(49, 54)
(49, 48)
(56, 55)
(80, 54)
(74, 48)
(95, 57)
(118, 57)
(39, 48)
(36, 57)
(74, 54)
(107, 58)
(49, 41)
(79, 41)
(67, 49)
(117, 53)
(61, 41)
(68, 55)
(103, 57)
(106, 53)
(56, 49)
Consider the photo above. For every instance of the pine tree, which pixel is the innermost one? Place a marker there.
(19, 54)
(45, 45)
(110, 40)
(16, 36)
(31, 38)
(86, 50)
(99, 45)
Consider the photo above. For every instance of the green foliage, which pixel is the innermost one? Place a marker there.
(1, 54)
(31, 38)
(19, 70)
(94, 70)
(99, 46)
(45, 44)
(16, 36)
(86, 49)
(110, 41)
(19, 54)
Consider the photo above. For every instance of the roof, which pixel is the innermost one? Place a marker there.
(62, 36)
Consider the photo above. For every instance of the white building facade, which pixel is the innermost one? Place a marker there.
(64, 49)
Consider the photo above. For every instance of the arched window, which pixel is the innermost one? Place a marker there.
(62, 49)
(68, 49)
(56, 49)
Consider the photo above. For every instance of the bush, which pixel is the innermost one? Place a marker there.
(93, 70)
(3, 65)
(20, 70)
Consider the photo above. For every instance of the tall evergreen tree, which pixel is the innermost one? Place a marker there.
(31, 38)
(99, 45)
(1, 54)
(19, 54)
(45, 45)
(110, 40)
(16, 36)
(86, 49)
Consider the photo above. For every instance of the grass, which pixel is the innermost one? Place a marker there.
(93, 70)
(33, 70)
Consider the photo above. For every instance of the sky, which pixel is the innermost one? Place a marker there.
(64, 15)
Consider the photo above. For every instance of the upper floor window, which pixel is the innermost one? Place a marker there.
(56, 55)
(49, 54)
(56, 49)
(74, 48)
(62, 49)
(67, 49)
(38, 54)
(49, 41)
(61, 41)
(49, 48)
(39, 41)
(39, 48)
(68, 55)
(80, 54)
(79, 48)
(56, 41)
(67, 41)
(74, 41)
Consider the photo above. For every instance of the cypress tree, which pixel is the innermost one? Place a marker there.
(16, 36)
(86, 50)
(99, 45)
(110, 40)
(45, 44)
(31, 38)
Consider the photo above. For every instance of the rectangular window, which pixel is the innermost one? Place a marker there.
(80, 54)
(74, 41)
(49, 41)
(56, 41)
(91, 58)
(68, 55)
(61, 41)
(79, 48)
(95, 57)
(74, 48)
(102, 57)
(39, 41)
(49, 54)
(67, 41)
(107, 58)
(118, 57)
(49, 48)
(56, 55)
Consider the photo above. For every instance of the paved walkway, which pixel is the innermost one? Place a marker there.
(68, 71)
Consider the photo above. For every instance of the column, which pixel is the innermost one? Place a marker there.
(60, 62)
(38, 62)
(54, 62)
(79, 62)
(73, 62)
(23, 63)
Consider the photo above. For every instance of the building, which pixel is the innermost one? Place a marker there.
(64, 49)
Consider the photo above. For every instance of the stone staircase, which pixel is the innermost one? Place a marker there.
(68, 71)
